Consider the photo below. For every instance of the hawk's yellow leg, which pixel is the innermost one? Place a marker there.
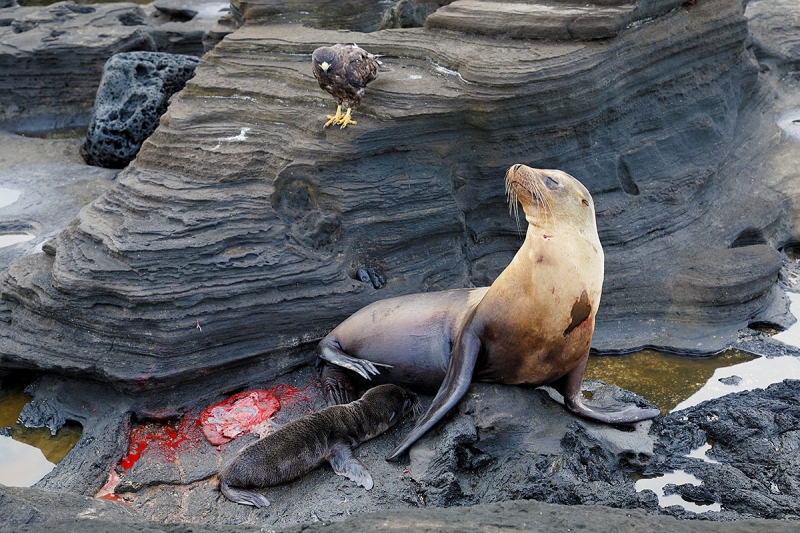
(335, 119)
(345, 120)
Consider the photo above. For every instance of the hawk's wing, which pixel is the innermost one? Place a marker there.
(361, 67)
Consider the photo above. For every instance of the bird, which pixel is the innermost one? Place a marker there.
(344, 70)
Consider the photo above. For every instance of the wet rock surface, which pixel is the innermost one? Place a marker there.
(134, 92)
(20, 506)
(50, 196)
(501, 443)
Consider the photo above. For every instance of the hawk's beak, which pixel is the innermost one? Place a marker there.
(325, 66)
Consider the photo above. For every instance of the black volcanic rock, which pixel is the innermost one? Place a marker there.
(134, 92)
(754, 437)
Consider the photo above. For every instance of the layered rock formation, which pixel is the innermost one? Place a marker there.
(51, 64)
(243, 217)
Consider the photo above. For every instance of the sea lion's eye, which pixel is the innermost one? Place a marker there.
(391, 416)
(550, 182)
(585, 202)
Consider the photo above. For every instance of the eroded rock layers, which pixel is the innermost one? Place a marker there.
(235, 237)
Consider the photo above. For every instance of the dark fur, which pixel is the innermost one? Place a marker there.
(303, 444)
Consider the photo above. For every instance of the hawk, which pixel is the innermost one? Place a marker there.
(344, 70)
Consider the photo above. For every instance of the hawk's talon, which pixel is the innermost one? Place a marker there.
(345, 120)
(335, 119)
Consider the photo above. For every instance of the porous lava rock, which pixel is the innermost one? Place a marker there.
(134, 92)
(52, 56)
(242, 216)
(753, 468)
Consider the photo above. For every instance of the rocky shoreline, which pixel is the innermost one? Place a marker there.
(214, 262)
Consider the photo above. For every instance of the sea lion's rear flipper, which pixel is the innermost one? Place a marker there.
(569, 386)
(244, 497)
(455, 385)
(329, 350)
(345, 464)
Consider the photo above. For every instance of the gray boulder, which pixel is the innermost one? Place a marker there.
(134, 92)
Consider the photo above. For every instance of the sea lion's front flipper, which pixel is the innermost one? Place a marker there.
(455, 385)
(345, 464)
(570, 387)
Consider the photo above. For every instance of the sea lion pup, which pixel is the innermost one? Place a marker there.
(300, 446)
(532, 326)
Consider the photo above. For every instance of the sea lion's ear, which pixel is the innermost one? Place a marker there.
(391, 416)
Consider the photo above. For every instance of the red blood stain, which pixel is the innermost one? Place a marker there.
(218, 423)
(163, 441)
(239, 414)
(224, 421)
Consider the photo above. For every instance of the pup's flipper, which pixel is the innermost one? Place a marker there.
(345, 464)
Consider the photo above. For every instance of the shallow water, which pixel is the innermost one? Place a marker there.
(10, 239)
(29, 453)
(789, 121)
(679, 477)
(666, 380)
(8, 196)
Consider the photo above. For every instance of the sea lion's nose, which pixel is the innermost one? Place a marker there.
(516, 167)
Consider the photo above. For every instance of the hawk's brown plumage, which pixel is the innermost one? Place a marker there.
(344, 71)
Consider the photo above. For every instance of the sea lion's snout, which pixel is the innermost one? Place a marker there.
(521, 181)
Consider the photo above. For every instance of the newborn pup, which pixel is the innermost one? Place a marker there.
(303, 444)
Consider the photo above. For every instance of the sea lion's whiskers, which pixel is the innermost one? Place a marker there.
(541, 199)
(511, 197)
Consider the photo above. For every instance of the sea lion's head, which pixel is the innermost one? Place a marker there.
(550, 197)
(390, 403)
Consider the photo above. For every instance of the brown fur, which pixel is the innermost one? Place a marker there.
(303, 444)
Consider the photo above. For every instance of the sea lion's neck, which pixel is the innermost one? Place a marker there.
(562, 250)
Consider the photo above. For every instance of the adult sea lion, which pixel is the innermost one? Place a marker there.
(532, 326)
(303, 444)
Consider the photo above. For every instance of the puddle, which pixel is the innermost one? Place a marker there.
(28, 454)
(666, 380)
(700, 453)
(10, 239)
(679, 477)
(789, 121)
(8, 196)
(792, 335)
(756, 374)
(210, 10)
